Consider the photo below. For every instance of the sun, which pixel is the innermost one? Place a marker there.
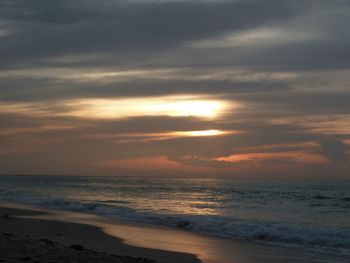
(206, 133)
(195, 108)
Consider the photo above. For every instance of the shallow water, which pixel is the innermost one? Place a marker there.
(308, 215)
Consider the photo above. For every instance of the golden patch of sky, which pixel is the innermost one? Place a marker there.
(147, 137)
(175, 106)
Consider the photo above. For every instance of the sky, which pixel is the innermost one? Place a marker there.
(249, 89)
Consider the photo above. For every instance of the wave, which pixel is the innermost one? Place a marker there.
(323, 239)
(322, 197)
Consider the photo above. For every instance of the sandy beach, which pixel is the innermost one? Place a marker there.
(29, 234)
(25, 239)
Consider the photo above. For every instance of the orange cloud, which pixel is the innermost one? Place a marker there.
(266, 147)
(292, 156)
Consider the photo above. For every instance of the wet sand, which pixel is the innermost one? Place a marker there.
(149, 242)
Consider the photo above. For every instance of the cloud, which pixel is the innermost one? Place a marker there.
(75, 74)
(54, 29)
(335, 150)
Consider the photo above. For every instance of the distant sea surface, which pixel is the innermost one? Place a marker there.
(313, 216)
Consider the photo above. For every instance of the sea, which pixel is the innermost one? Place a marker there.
(313, 216)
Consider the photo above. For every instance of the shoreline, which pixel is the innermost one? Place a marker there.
(163, 244)
(27, 232)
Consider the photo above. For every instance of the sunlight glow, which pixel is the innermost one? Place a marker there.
(203, 133)
(116, 108)
(198, 108)
(184, 106)
(146, 137)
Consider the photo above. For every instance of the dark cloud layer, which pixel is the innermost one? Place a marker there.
(284, 65)
(335, 150)
(54, 29)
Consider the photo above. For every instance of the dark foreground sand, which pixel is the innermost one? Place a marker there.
(34, 240)
(15, 248)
